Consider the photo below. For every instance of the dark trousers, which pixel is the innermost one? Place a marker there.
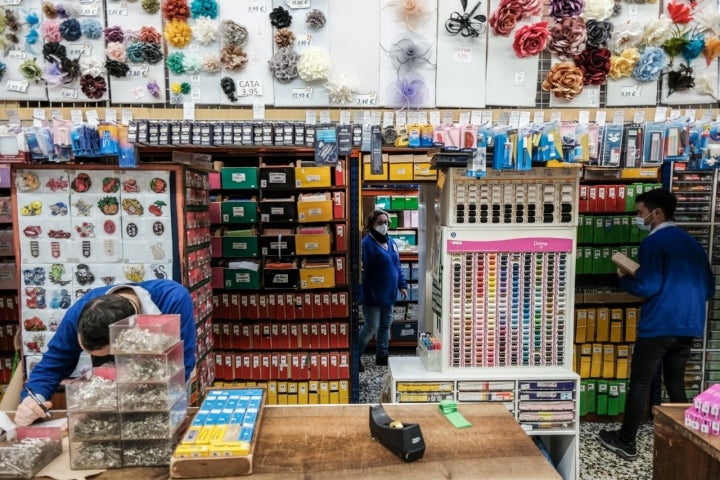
(649, 353)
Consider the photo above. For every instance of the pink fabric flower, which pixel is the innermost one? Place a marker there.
(531, 39)
(533, 8)
(50, 31)
(504, 19)
(568, 37)
(116, 51)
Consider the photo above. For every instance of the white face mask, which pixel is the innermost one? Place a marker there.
(640, 222)
(381, 229)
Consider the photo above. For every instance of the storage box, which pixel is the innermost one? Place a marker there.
(401, 171)
(147, 453)
(382, 202)
(91, 395)
(423, 171)
(313, 244)
(162, 329)
(277, 245)
(312, 177)
(280, 277)
(278, 210)
(404, 238)
(240, 245)
(238, 211)
(367, 169)
(277, 177)
(95, 455)
(151, 396)
(317, 277)
(84, 427)
(236, 178)
(48, 446)
(404, 331)
(315, 211)
(153, 425)
(150, 367)
(242, 276)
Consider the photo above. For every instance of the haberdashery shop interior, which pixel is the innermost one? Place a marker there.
(241, 156)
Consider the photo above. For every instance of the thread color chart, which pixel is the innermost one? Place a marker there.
(504, 200)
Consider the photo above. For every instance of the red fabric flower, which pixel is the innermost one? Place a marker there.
(531, 39)
(680, 12)
(595, 65)
(504, 19)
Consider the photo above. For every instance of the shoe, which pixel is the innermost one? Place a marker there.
(381, 360)
(612, 441)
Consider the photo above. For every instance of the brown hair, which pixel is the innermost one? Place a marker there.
(372, 218)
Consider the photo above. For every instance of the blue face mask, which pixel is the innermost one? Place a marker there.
(640, 222)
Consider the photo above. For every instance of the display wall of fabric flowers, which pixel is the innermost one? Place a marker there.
(513, 66)
(21, 63)
(74, 51)
(408, 32)
(300, 63)
(461, 58)
(134, 56)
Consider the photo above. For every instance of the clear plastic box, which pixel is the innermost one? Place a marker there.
(84, 427)
(152, 396)
(145, 333)
(153, 425)
(92, 455)
(150, 367)
(147, 453)
(94, 394)
(36, 446)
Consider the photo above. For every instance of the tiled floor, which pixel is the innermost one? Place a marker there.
(596, 463)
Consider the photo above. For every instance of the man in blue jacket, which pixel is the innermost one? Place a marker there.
(85, 327)
(676, 281)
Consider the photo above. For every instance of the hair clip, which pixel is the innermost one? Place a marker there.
(151, 6)
(70, 29)
(204, 8)
(30, 70)
(228, 87)
(153, 88)
(180, 88)
(280, 18)
(315, 19)
(466, 23)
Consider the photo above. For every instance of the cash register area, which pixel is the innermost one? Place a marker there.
(596, 463)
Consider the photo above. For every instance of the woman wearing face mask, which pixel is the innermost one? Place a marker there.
(676, 281)
(381, 280)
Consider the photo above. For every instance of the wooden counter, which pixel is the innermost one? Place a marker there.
(333, 441)
(680, 452)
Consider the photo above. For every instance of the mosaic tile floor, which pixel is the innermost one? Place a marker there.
(596, 463)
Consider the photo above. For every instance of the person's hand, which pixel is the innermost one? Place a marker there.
(620, 273)
(28, 411)
(403, 293)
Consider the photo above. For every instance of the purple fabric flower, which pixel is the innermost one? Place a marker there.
(568, 37)
(410, 92)
(566, 8)
(153, 88)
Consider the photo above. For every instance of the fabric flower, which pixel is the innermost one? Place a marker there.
(622, 65)
(708, 20)
(680, 80)
(692, 49)
(210, 63)
(51, 31)
(504, 19)
(711, 49)
(705, 84)
(566, 8)
(598, 9)
(567, 37)
(414, 13)
(410, 92)
(313, 64)
(205, 30)
(656, 32)
(627, 35)
(204, 9)
(284, 38)
(116, 51)
(674, 45)
(532, 8)
(564, 80)
(599, 33)
(315, 19)
(280, 18)
(650, 64)
(342, 87)
(149, 35)
(283, 65)
(233, 57)
(595, 64)
(680, 12)
(531, 39)
(233, 33)
(410, 52)
(92, 66)
(175, 10)
(191, 64)
(177, 33)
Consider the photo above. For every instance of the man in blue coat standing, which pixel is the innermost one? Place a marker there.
(676, 281)
(85, 327)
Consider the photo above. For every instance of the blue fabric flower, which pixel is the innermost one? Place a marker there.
(91, 28)
(32, 19)
(693, 48)
(2, 70)
(32, 37)
(204, 8)
(650, 65)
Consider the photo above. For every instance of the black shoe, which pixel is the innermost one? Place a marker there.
(381, 360)
(612, 441)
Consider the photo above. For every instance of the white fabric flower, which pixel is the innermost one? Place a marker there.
(342, 87)
(313, 64)
(627, 35)
(657, 31)
(708, 20)
(598, 9)
(205, 30)
(92, 66)
(705, 84)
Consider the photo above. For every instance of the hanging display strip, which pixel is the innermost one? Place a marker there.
(504, 312)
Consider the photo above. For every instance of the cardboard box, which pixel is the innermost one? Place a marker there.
(313, 244)
(280, 278)
(277, 245)
(312, 177)
(404, 332)
(315, 211)
(244, 276)
(367, 169)
(239, 245)
(401, 171)
(238, 211)
(424, 171)
(237, 178)
(625, 263)
(277, 177)
(317, 277)
(278, 209)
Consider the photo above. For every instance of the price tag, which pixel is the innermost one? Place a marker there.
(388, 119)
(619, 117)
(592, 97)
(464, 118)
(11, 2)
(92, 117)
(633, 91)
(76, 117)
(583, 117)
(196, 95)
(194, 47)
(297, 4)
(422, 118)
(503, 118)
(600, 117)
(707, 116)
(17, 54)
(194, 78)
(375, 117)
(188, 111)
(324, 116)
(412, 118)
(13, 117)
(524, 118)
(660, 114)
(89, 9)
(111, 115)
(302, 93)
(258, 111)
(344, 117)
(476, 117)
(539, 117)
(304, 41)
(117, 10)
(447, 117)
(138, 71)
(39, 117)
(633, 11)
(434, 118)
(639, 116)
(17, 86)
(690, 114)
(401, 119)
(249, 88)
(366, 99)
(257, 6)
(77, 50)
(514, 119)
(310, 117)
(556, 117)
(462, 54)
(519, 79)
(56, 114)
(69, 94)
(487, 117)
(127, 116)
(674, 114)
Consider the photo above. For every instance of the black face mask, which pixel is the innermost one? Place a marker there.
(378, 236)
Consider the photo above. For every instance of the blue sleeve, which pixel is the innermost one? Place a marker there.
(402, 282)
(172, 297)
(649, 277)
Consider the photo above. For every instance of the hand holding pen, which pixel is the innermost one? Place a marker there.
(31, 408)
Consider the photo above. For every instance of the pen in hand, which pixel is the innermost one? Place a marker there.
(39, 402)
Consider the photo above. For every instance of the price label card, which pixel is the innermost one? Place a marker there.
(690, 114)
(674, 114)
(89, 9)
(487, 117)
(556, 117)
(76, 117)
(600, 117)
(344, 117)
(514, 119)
(92, 117)
(188, 111)
(258, 111)
(310, 117)
(304, 41)
(660, 114)
(539, 117)
(447, 117)
(10, 3)
(127, 116)
(120, 9)
(524, 118)
(422, 118)
(503, 118)
(77, 50)
(56, 114)
(476, 117)
(196, 96)
(619, 117)
(583, 117)
(69, 93)
(592, 97)
(324, 116)
(257, 6)
(366, 99)
(401, 118)
(519, 79)
(17, 54)
(305, 93)
(462, 54)
(388, 119)
(375, 117)
(111, 115)
(412, 118)
(707, 116)
(249, 88)
(297, 4)
(464, 118)
(13, 117)
(138, 71)
(639, 116)
(435, 117)
(17, 86)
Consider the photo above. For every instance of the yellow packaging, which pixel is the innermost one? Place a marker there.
(631, 316)
(314, 211)
(423, 171)
(302, 393)
(608, 361)
(602, 325)
(313, 244)
(272, 397)
(367, 169)
(324, 392)
(616, 331)
(323, 277)
(230, 449)
(401, 171)
(590, 332)
(597, 360)
(344, 390)
(191, 451)
(312, 177)
(580, 325)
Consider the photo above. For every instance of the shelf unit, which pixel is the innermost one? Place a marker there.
(9, 315)
(281, 274)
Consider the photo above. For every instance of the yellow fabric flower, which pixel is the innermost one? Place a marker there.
(176, 88)
(177, 33)
(711, 49)
(622, 65)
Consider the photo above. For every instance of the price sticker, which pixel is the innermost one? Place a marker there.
(249, 88)
(138, 71)
(297, 4)
(304, 41)
(539, 117)
(18, 54)
(366, 99)
(69, 94)
(305, 93)
(77, 50)
(117, 10)
(462, 54)
(257, 6)
(89, 9)
(20, 86)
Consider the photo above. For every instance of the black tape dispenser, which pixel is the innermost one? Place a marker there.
(404, 440)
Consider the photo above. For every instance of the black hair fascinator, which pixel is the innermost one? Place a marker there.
(681, 79)
(466, 23)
